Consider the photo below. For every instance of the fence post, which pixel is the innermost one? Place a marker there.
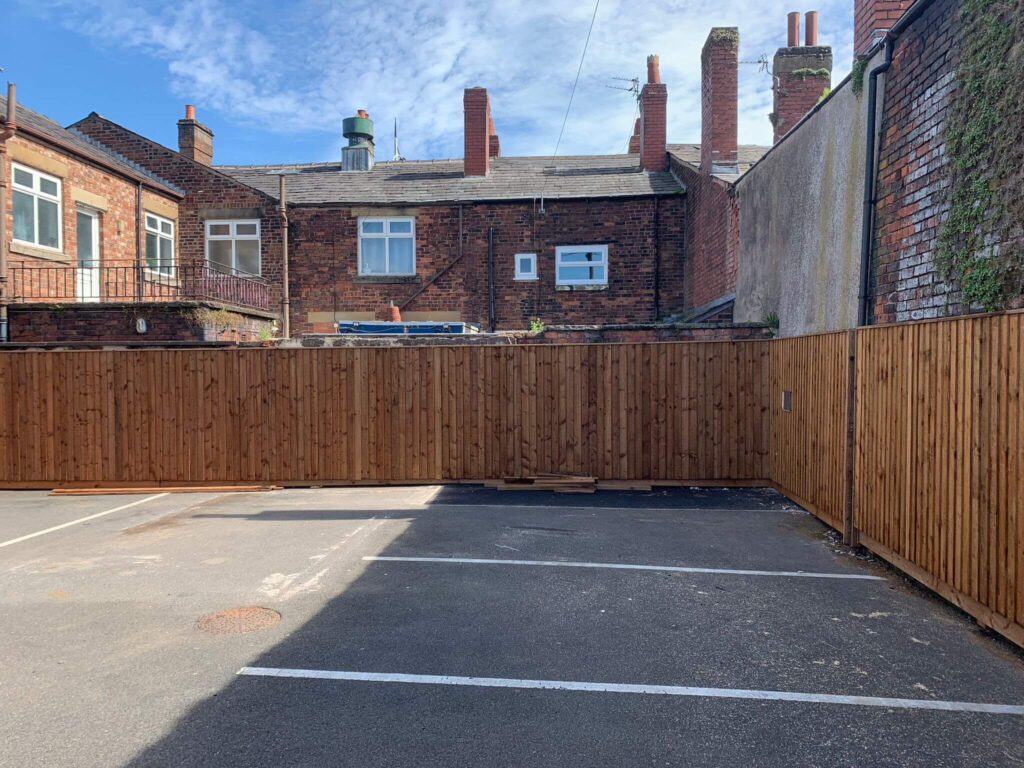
(850, 537)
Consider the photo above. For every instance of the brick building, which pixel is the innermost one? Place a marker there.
(490, 240)
(91, 245)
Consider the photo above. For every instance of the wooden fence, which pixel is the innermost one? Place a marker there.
(810, 454)
(906, 438)
(668, 411)
(939, 483)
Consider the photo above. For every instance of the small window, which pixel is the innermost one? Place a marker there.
(387, 246)
(787, 400)
(581, 264)
(159, 245)
(233, 247)
(36, 207)
(526, 266)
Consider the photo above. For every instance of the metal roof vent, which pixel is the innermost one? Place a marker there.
(358, 155)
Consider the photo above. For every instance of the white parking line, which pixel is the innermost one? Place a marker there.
(79, 520)
(576, 507)
(653, 690)
(626, 567)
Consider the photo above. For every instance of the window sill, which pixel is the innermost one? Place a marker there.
(161, 278)
(582, 287)
(27, 249)
(526, 279)
(385, 279)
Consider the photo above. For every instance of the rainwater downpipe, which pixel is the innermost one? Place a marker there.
(286, 325)
(868, 211)
(10, 127)
(491, 321)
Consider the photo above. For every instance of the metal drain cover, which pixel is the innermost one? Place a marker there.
(236, 621)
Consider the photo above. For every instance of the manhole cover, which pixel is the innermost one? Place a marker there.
(234, 621)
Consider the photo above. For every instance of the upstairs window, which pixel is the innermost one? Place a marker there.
(35, 200)
(581, 265)
(159, 245)
(387, 246)
(233, 246)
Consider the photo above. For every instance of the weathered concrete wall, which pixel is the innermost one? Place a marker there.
(800, 222)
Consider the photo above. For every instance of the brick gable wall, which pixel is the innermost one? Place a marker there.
(711, 239)
(206, 189)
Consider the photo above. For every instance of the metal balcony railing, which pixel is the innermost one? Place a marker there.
(133, 283)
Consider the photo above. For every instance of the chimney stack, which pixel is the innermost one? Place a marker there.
(719, 100)
(634, 140)
(477, 132)
(653, 119)
(494, 143)
(801, 73)
(872, 19)
(195, 140)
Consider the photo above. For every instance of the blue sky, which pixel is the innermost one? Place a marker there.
(274, 79)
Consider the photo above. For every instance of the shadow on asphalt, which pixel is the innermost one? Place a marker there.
(575, 624)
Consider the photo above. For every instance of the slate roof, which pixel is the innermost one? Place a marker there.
(746, 154)
(437, 181)
(78, 143)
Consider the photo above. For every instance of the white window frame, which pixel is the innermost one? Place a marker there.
(386, 236)
(234, 237)
(562, 249)
(37, 194)
(161, 235)
(532, 274)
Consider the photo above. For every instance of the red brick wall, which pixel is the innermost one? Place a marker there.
(325, 278)
(719, 97)
(912, 186)
(78, 323)
(205, 187)
(711, 237)
(55, 276)
(872, 15)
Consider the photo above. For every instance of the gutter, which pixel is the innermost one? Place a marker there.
(9, 129)
(870, 161)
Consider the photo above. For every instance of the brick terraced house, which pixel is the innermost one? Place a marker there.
(498, 242)
(91, 246)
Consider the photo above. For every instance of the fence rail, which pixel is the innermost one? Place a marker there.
(134, 283)
(907, 438)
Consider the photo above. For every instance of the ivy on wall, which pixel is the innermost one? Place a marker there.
(982, 242)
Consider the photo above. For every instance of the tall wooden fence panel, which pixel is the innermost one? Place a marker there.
(939, 481)
(666, 411)
(808, 445)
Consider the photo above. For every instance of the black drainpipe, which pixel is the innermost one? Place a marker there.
(140, 235)
(868, 211)
(490, 280)
(657, 260)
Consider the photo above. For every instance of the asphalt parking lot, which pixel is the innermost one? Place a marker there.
(460, 626)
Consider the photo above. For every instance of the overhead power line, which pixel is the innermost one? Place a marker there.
(572, 94)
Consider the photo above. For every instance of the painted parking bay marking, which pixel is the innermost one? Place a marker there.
(650, 690)
(80, 520)
(625, 567)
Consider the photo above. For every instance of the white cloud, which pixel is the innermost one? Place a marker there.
(301, 67)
